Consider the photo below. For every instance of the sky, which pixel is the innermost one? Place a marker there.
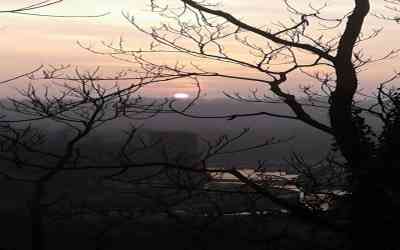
(27, 41)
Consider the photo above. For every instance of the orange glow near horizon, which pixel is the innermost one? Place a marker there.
(30, 41)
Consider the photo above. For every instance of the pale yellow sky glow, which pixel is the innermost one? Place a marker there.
(28, 41)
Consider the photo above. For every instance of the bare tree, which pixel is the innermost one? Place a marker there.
(81, 107)
(366, 168)
(201, 30)
(48, 143)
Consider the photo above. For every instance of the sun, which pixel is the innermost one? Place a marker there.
(181, 96)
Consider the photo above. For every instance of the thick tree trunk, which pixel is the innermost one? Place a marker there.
(345, 130)
(371, 205)
(36, 215)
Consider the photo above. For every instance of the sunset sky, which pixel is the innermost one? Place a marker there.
(28, 41)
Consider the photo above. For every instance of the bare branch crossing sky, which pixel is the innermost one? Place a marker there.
(28, 41)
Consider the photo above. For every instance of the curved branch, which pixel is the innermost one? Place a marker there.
(258, 31)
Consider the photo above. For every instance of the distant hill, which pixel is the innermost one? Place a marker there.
(296, 136)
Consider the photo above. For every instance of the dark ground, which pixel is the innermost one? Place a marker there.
(160, 232)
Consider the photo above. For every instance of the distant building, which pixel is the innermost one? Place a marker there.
(279, 183)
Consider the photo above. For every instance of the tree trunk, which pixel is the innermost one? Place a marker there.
(371, 206)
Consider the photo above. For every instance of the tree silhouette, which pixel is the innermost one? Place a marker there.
(51, 143)
(363, 164)
(35, 156)
(201, 30)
